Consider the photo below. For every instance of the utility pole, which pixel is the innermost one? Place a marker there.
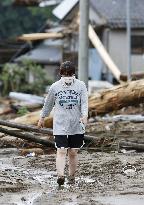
(83, 41)
(128, 40)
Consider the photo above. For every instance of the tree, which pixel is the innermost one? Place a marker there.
(15, 77)
(16, 20)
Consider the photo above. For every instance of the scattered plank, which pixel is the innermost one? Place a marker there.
(40, 36)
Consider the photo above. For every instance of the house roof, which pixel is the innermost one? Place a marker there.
(114, 12)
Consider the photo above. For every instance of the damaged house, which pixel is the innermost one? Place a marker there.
(108, 18)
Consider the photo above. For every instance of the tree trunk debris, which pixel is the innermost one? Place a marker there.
(26, 127)
(113, 99)
(31, 137)
(32, 119)
(27, 136)
(101, 103)
(132, 145)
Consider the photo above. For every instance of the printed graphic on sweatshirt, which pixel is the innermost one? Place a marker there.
(68, 98)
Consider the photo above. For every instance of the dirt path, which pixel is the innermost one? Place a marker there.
(100, 180)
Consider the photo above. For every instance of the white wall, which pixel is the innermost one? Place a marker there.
(95, 64)
(118, 52)
(137, 63)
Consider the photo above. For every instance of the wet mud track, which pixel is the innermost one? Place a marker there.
(100, 180)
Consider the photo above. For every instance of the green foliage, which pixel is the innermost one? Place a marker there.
(6, 2)
(45, 12)
(16, 78)
(16, 20)
(22, 111)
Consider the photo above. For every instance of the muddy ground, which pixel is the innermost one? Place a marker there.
(100, 179)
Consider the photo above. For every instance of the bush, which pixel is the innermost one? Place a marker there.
(22, 111)
(15, 77)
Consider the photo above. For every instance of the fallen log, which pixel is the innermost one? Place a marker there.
(129, 118)
(99, 132)
(26, 127)
(134, 76)
(132, 145)
(9, 151)
(27, 136)
(113, 99)
(105, 129)
(90, 138)
(28, 119)
(6, 111)
(36, 151)
(128, 94)
(33, 129)
(30, 107)
(33, 99)
(32, 119)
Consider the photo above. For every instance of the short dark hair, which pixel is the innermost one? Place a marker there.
(67, 68)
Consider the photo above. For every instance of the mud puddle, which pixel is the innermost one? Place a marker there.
(122, 200)
(100, 180)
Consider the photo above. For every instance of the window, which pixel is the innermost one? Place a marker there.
(137, 44)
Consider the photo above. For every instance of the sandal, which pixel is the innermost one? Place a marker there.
(71, 179)
(61, 180)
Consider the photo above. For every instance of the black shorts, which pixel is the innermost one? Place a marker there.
(69, 141)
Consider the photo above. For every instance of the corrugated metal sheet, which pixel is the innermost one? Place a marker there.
(64, 8)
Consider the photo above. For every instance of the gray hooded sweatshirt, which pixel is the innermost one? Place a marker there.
(70, 104)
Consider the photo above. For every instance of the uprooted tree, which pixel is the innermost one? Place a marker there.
(127, 94)
(113, 99)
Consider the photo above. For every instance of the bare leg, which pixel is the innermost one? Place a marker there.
(60, 161)
(73, 161)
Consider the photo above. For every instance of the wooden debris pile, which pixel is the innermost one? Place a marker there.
(100, 132)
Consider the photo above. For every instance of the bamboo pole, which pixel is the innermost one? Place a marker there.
(103, 53)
